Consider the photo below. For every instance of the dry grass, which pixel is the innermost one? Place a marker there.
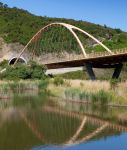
(89, 85)
(83, 85)
(119, 94)
(121, 90)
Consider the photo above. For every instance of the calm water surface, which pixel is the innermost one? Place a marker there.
(29, 122)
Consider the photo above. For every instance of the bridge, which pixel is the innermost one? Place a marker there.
(106, 59)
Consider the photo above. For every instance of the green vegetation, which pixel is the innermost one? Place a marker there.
(20, 78)
(100, 97)
(12, 89)
(82, 75)
(58, 81)
(98, 92)
(20, 71)
(17, 25)
(3, 64)
(73, 93)
(114, 83)
(43, 84)
(101, 74)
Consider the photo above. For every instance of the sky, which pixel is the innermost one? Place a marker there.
(112, 13)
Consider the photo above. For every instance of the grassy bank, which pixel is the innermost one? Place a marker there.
(97, 92)
(22, 87)
(101, 74)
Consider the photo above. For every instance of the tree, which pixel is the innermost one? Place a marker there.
(118, 30)
(5, 6)
(105, 26)
(1, 4)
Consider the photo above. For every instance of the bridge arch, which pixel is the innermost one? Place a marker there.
(71, 29)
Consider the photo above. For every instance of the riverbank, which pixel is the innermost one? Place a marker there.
(82, 91)
(99, 92)
(22, 87)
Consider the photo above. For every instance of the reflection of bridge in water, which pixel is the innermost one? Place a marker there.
(56, 123)
(77, 136)
(107, 59)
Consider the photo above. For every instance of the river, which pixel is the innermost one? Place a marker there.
(29, 122)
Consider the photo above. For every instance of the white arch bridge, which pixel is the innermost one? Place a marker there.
(35, 47)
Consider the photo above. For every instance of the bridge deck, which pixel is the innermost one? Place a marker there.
(97, 62)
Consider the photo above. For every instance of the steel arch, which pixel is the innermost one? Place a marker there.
(70, 28)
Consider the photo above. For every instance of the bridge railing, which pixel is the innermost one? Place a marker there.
(100, 54)
(70, 57)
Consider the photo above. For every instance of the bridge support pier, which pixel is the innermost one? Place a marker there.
(89, 68)
(117, 71)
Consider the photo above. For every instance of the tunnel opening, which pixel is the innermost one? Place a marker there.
(20, 61)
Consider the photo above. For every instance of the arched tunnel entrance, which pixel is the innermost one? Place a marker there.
(20, 60)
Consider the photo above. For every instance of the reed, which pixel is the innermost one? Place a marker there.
(22, 87)
(100, 97)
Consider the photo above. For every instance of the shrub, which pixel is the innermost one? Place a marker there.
(4, 63)
(58, 81)
(21, 71)
(43, 84)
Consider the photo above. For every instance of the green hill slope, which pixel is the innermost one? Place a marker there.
(17, 25)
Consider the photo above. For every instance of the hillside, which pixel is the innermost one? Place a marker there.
(18, 26)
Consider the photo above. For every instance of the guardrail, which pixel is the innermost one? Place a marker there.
(70, 57)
